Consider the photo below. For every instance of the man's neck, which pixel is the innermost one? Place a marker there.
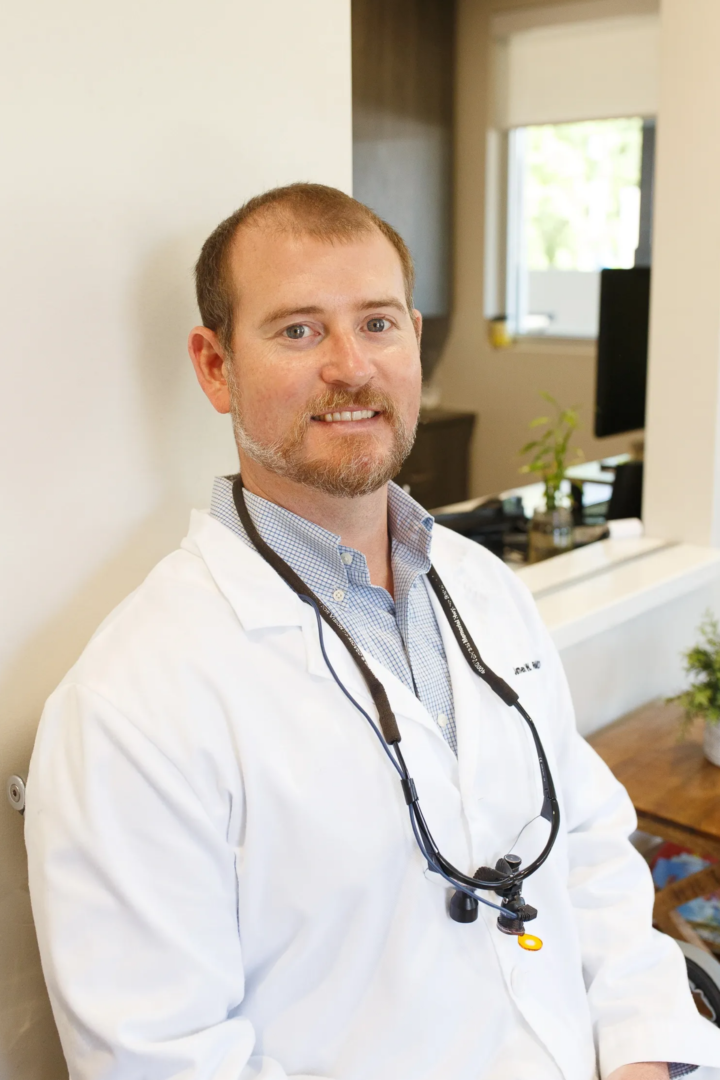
(360, 522)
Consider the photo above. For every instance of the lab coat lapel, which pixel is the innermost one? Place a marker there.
(258, 596)
(262, 600)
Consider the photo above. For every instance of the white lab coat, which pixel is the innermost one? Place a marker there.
(224, 878)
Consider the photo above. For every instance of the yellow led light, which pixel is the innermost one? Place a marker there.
(530, 942)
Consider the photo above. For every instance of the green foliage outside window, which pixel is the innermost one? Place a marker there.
(582, 194)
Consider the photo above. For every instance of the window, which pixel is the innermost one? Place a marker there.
(573, 209)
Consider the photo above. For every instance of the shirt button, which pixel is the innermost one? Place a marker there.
(347, 557)
(339, 595)
(442, 719)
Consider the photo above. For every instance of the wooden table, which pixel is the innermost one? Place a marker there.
(676, 793)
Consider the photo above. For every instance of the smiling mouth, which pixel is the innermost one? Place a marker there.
(357, 414)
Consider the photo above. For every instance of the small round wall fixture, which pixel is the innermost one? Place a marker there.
(16, 793)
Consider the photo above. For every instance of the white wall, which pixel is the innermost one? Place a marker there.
(129, 129)
(580, 71)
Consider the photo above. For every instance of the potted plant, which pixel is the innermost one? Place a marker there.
(551, 528)
(702, 699)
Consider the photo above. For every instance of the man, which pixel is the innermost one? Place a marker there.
(224, 875)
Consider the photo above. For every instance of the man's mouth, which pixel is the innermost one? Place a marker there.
(357, 414)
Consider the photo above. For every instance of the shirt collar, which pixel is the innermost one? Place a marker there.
(314, 552)
(410, 526)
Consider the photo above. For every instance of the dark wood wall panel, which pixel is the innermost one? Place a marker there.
(403, 58)
(403, 88)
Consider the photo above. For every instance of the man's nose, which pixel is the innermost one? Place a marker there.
(347, 362)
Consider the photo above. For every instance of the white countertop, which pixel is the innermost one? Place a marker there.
(585, 592)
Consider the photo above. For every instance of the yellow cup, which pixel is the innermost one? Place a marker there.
(498, 332)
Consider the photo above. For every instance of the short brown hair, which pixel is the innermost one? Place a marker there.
(312, 209)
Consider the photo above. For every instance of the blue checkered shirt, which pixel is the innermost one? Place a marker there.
(403, 634)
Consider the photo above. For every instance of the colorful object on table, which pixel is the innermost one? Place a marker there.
(673, 863)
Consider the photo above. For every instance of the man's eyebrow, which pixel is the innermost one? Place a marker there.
(314, 309)
(386, 301)
(286, 313)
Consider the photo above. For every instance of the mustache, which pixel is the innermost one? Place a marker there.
(365, 397)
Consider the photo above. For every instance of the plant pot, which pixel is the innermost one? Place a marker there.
(711, 742)
(550, 533)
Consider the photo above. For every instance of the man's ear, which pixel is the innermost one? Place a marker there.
(417, 323)
(209, 359)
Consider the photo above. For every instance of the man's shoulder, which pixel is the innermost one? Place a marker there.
(163, 623)
(168, 597)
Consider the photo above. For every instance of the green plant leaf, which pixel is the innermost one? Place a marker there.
(550, 450)
(702, 663)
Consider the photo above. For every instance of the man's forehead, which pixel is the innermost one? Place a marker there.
(275, 251)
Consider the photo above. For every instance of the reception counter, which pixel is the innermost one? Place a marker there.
(621, 612)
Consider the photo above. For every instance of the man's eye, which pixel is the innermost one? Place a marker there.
(376, 326)
(296, 332)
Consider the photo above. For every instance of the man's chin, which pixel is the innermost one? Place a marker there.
(347, 478)
(345, 466)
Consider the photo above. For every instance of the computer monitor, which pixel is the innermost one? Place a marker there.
(622, 350)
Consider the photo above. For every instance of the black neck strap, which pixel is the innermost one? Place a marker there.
(466, 643)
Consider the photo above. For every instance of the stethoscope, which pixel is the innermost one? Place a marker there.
(507, 877)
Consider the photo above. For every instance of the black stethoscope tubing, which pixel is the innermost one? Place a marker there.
(388, 733)
(432, 863)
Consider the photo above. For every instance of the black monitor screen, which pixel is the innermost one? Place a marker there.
(622, 350)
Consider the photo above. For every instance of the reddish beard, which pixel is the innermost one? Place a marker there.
(358, 464)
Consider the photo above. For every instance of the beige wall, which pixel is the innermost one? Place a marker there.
(682, 489)
(129, 129)
(502, 387)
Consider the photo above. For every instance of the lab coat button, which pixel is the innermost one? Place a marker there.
(339, 595)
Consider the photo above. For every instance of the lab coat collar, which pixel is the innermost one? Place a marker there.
(262, 600)
(259, 597)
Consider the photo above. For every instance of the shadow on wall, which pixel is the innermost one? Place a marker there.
(183, 443)
(188, 442)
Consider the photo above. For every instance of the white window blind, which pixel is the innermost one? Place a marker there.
(593, 69)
